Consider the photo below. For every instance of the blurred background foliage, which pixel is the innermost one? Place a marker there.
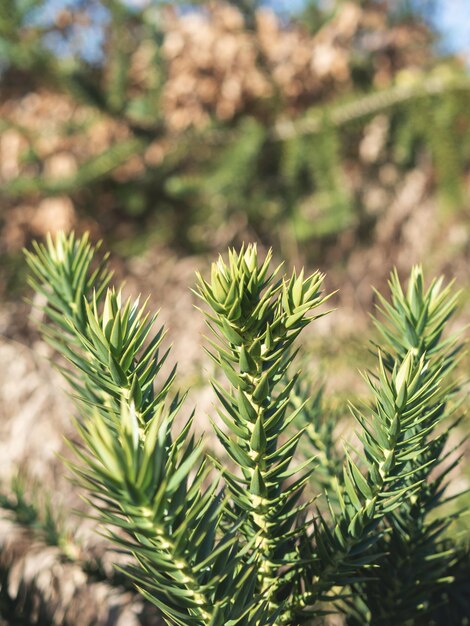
(200, 125)
(337, 132)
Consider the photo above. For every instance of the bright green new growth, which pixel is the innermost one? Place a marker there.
(237, 541)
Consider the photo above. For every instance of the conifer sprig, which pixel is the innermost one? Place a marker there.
(417, 556)
(142, 480)
(256, 317)
(402, 444)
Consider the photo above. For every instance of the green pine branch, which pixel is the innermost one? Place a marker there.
(417, 556)
(146, 482)
(399, 434)
(256, 317)
(383, 100)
